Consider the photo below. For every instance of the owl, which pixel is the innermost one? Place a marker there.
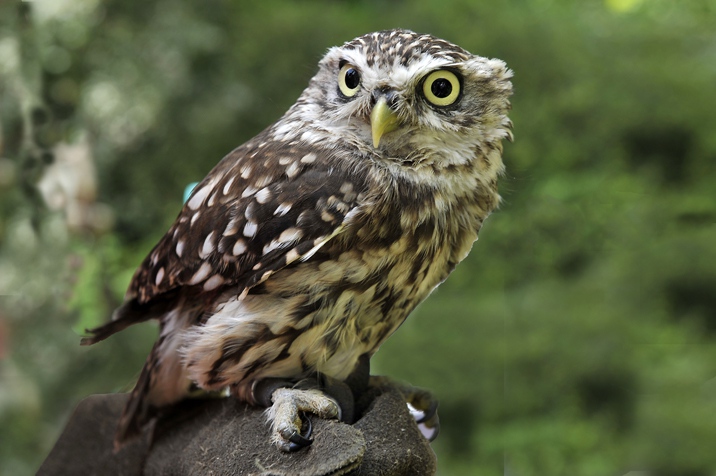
(305, 248)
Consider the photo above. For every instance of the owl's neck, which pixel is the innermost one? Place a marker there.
(452, 167)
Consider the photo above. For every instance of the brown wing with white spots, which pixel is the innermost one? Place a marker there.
(261, 208)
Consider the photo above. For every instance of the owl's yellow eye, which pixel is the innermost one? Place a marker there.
(441, 87)
(348, 80)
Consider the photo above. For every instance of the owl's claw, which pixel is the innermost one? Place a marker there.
(427, 414)
(427, 420)
(421, 403)
(288, 416)
(297, 440)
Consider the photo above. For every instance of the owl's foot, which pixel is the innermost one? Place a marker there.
(421, 402)
(289, 403)
(290, 424)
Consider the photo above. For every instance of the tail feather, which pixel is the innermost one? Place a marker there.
(129, 313)
(138, 412)
(162, 382)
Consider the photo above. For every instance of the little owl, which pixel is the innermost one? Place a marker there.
(307, 246)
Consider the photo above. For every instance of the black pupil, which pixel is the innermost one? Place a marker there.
(352, 78)
(441, 88)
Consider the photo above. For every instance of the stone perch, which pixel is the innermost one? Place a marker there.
(225, 437)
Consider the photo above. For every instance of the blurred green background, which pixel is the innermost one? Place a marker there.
(579, 337)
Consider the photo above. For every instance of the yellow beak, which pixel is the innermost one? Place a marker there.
(382, 120)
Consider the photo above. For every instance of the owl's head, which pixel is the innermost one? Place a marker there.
(411, 99)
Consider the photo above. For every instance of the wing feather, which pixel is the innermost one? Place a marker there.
(259, 210)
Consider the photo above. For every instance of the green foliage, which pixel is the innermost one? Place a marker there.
(578, 337)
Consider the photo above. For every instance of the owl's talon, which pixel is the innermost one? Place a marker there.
(427, 420)
(423, 406)
(428, 413)
(429, 427)
(297, 440)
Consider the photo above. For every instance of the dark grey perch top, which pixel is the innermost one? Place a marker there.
(224, 437)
